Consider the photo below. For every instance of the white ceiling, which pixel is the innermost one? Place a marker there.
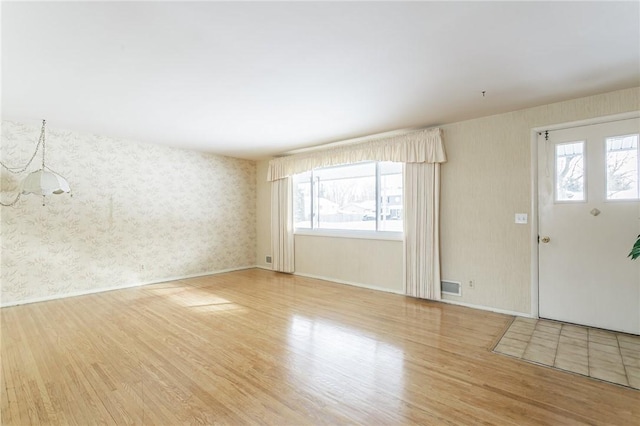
(254, 79)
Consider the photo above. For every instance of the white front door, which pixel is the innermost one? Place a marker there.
(588, 214)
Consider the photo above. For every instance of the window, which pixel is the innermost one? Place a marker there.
(622, 168)
(570, 172)
(361, 197)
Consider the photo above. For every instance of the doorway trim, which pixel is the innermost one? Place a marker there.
(535, 262)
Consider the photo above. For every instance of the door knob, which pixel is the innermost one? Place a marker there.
(545, 239)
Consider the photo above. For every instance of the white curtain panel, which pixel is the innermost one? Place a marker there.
(282, 225)
(424, 146)
(421, 230)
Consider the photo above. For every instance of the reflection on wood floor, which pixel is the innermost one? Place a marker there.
(257, 347)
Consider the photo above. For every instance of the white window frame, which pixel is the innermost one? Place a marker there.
(354, 233)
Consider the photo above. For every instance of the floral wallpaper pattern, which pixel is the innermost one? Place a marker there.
(139, 213)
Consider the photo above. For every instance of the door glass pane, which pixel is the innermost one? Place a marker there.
(622, 168)
(570, 171)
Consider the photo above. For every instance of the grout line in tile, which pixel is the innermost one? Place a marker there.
(555, 354)
(589, 366)
(626, 373)
(529, 341)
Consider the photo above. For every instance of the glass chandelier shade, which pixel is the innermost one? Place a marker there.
(43, 182)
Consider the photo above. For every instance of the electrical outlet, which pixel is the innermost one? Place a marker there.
(268, 259)
(471, 284)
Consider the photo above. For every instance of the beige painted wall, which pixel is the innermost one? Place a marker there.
(139, 213)
(485, 182)
(370, 263)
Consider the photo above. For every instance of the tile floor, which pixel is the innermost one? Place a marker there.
(605, 355)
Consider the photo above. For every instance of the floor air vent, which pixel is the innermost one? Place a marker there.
(451, 287)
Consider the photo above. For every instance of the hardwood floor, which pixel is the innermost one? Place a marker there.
(257, 347)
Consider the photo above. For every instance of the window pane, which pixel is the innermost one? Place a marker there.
(345, 197)
(570, 172)
(622, 168)
(390, 197)
(302, 200)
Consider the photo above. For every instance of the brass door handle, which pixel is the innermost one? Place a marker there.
(545, 239)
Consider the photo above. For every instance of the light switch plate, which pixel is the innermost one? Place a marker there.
(521, 218)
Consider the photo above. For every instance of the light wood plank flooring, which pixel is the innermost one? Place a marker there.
(257, 347)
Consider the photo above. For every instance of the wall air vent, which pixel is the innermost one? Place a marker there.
(451, 287)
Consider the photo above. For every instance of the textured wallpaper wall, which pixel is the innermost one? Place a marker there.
(139, 213)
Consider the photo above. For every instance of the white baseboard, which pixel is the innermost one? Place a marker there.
(334, 280)
(452, 302)
(486, 308)
(203, 274)
(120, 287)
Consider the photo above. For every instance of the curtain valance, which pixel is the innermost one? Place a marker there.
(424, 146)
